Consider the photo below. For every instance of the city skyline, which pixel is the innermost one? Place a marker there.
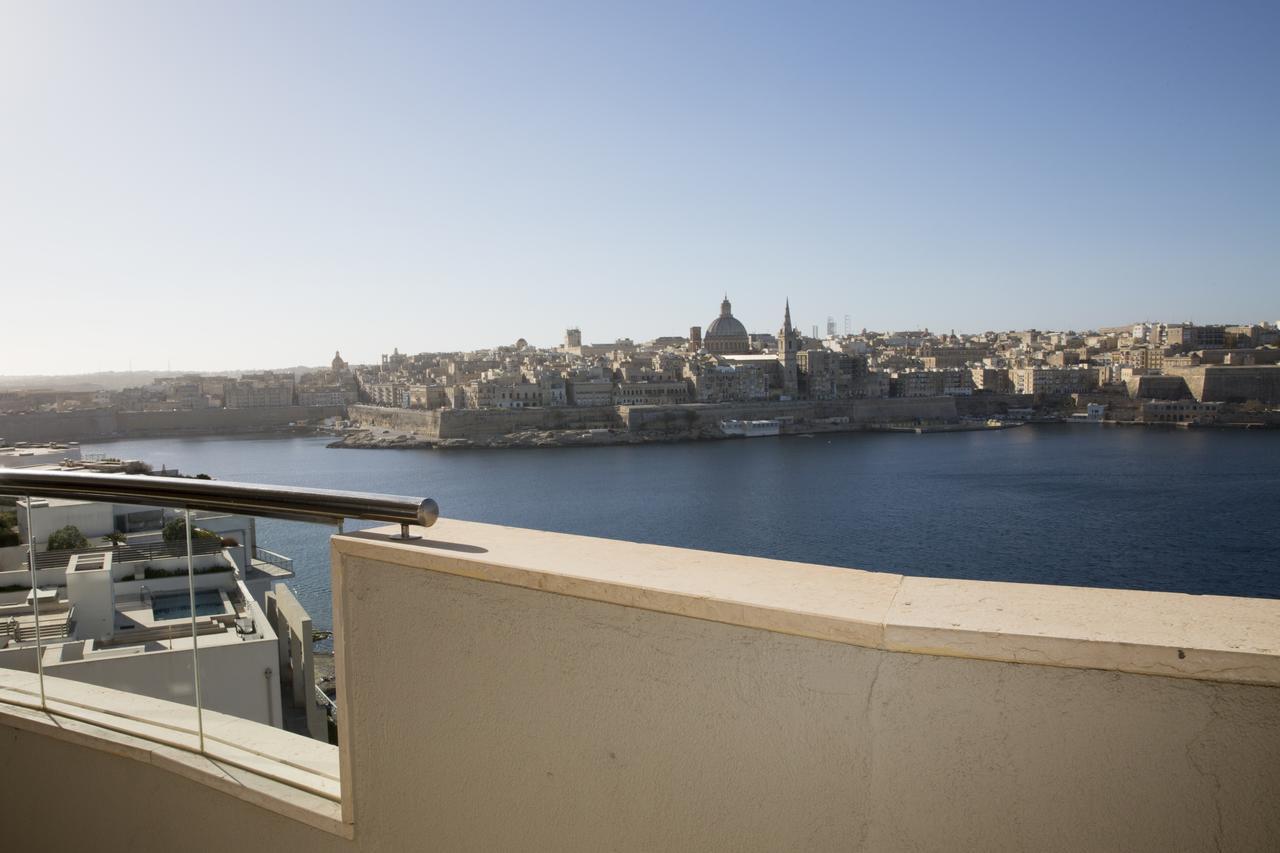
(557, 342)
(454, 178)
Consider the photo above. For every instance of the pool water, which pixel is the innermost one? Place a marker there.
(177, 605)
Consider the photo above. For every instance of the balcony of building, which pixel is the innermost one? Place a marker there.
(509, 689)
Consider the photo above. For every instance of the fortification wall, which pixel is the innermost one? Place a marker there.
(484, 423)
(98, 424)
(59, 426)
(1229, 383)
(1174, 387)
(402, 420)
(859, 412)
(220, 420)
(491, 423)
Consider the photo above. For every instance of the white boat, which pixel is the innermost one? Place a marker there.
(751, 429)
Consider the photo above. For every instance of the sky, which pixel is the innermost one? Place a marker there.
(225, 185)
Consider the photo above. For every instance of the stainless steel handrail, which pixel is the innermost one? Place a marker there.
(287, 502)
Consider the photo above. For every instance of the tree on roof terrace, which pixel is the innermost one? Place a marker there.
(176, 531)
(67, 538)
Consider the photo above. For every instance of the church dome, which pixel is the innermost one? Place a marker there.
(726, 325)
(726, 335)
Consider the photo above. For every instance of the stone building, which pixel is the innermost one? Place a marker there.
(655, 393)
(992, 379)
(258, 391)
(825, 374)
(721, 382)
(1178, 411)
(1053, 380)
(590, 391)
(423, 396)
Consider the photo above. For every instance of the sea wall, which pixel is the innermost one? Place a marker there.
(59, 426)
(484, 423)
(98, 424)
(221, 420)
(984, 405)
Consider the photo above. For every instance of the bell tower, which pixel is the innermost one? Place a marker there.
(788, 346)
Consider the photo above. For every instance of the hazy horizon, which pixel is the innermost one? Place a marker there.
(324, 363)
(233, 186)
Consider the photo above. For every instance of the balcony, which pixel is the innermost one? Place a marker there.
(501, 688)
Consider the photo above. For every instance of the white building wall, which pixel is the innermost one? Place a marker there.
(93, 519)
(240, 679)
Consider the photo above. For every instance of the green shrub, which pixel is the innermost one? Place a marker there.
(176, 531)
(67, 538)
(9, 537)
(151, 573)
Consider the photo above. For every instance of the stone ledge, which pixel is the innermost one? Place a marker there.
(107, 732)
(1209, 638)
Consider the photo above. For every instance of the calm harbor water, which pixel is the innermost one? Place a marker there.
(1185, 511)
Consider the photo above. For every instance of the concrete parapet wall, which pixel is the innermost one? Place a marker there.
(584, 694)
(506, 689)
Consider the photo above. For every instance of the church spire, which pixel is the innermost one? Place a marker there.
(788, 346)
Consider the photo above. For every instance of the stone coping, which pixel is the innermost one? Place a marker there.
(1212, 638)
(283, 772)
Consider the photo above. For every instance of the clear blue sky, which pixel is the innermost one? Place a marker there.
(225, 185)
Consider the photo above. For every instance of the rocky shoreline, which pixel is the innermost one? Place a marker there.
(383, 439)
(525, 439)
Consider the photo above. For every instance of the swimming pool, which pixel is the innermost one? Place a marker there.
(177, 605)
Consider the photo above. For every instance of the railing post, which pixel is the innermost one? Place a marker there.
(195, 643)
(35, 602)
